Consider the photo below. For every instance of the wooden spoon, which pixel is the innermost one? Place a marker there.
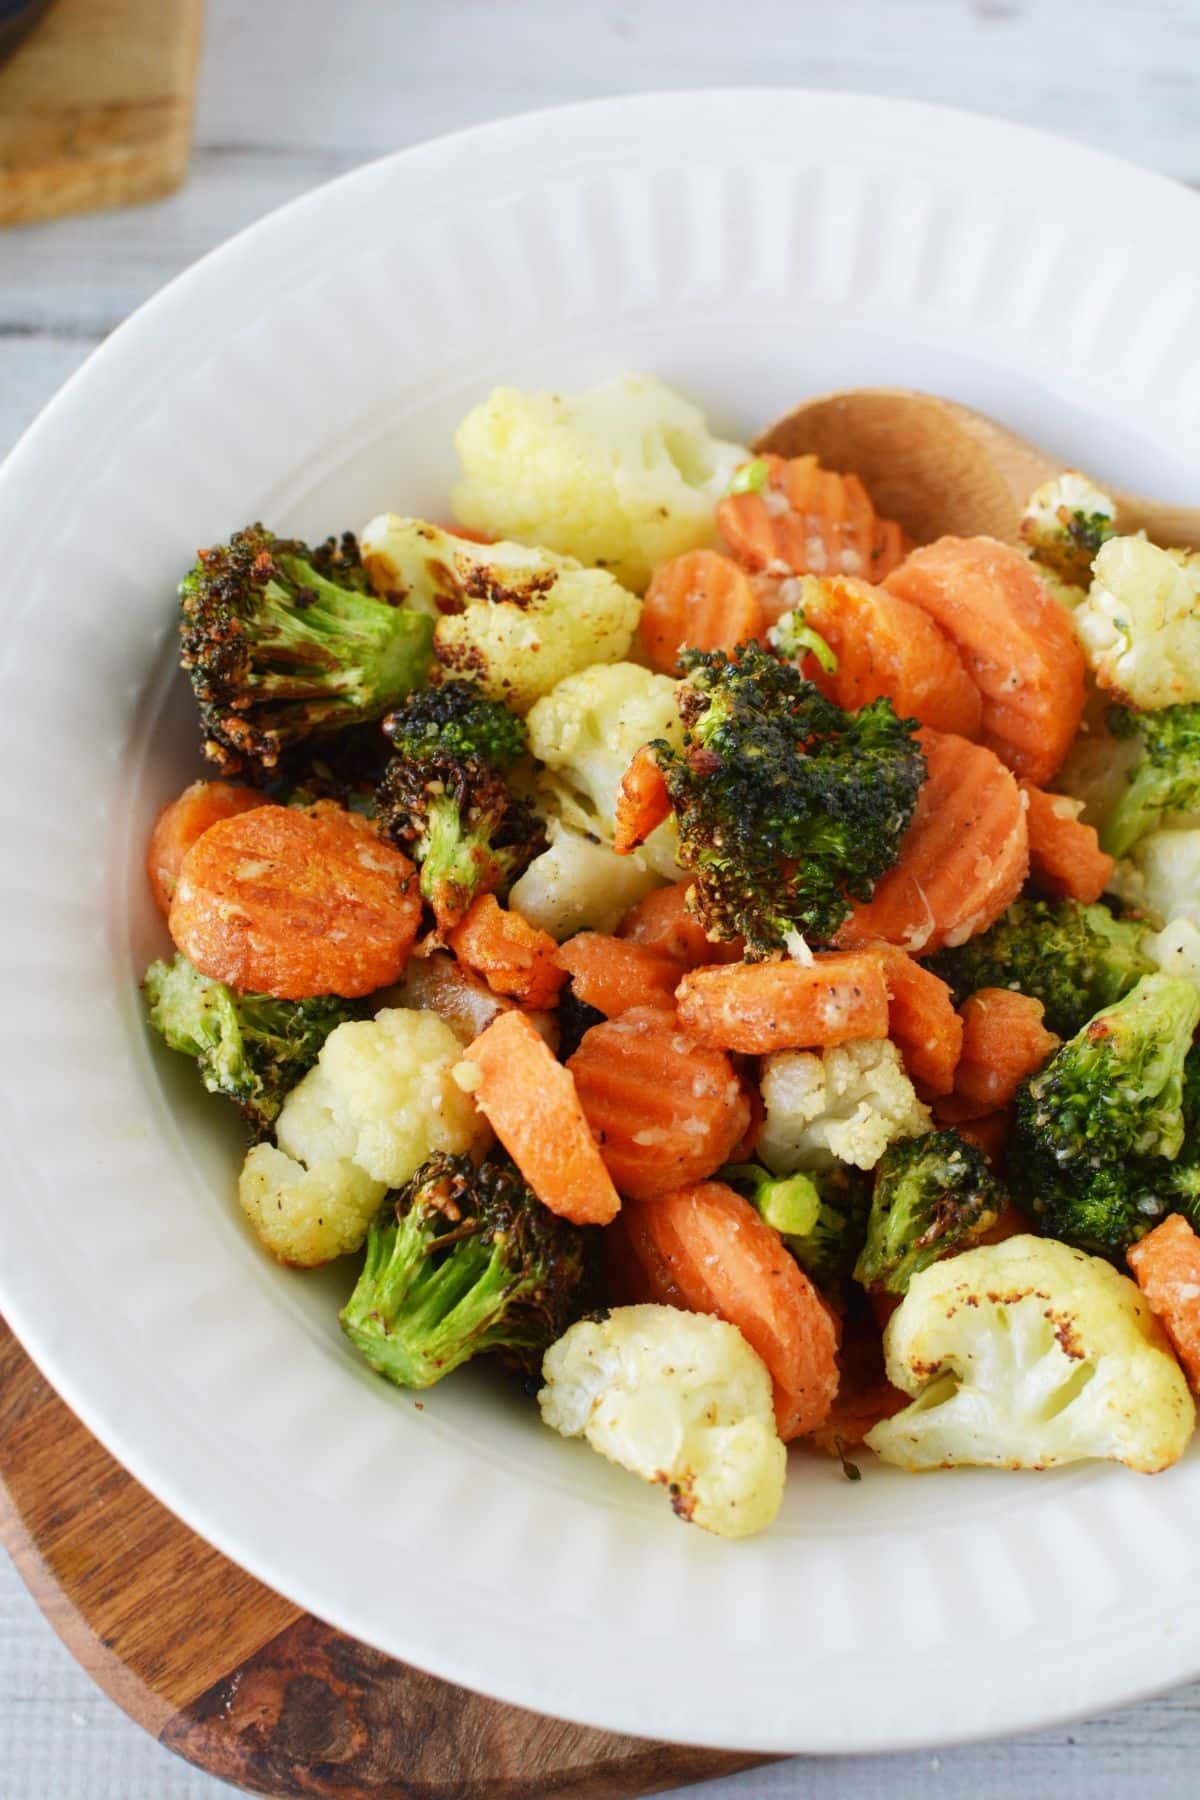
(941, 468)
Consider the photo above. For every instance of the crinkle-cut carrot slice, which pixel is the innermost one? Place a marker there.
(530, 1101)
(643, 802)
(807, 520)
(612, 974)
(922, 1022)
(181, 822)
(1065, 858)
(699, 601)
(513, 956)
(663, 1108)
(1016, 641)
(886, 648)
(722, 1258)
(1004, 1040)
(765, 1006)
(1012, 1222)
(663, 920)
(865, 1396)
(1166, 1266)
(635, 1273)
(990, 1134)
(962, 861)
(295, 901)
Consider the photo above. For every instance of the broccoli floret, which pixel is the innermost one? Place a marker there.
(445, 800)
(788, 808)
(284, 643)
(820, 1217)
(462, 1262)
(1074, 959)
(250, 1047)
(933, 1195)
(1098, 1128)
(1164, 779)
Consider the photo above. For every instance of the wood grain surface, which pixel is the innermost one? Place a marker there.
(96, 107)
(244, 1684)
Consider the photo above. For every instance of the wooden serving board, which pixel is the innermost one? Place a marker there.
(244, 1684)
(96, 106)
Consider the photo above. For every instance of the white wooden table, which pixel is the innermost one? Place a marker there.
(294, 92)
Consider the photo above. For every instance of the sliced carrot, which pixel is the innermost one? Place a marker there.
(642, 802)
(513, 956)
(1012, 1222)
(663, 1108)
(1018, 645)
(721, 1257)
(465, 533)
(294, 901)
(1166, 1266)
(989, 1134)
(184, 820)
(664, 921)
(810, 521)
(760, 1007)
(529, 1100)
(1004, 1040)
(922, 1022)
(865, 1396)
(612, 974)
(636, 1278)
(1065, 858)
(699, 601)
(887, 648)
(963, 859)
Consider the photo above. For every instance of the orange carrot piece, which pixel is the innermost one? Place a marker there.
(184, 820)
(642, 802)
(760, 1007)
(1166, 1266)
(922, 1022)
(529, 1100)
(962, 861)
(722, 1258)
(663, 1108)
(636, 1277)
(1065, 858)
(885, 647)
(1004, 1040)
(810, 521)
(699, 601)
(613, 974)
(1012, 1222)
(1018, 645)
(295, 901)
(989, 1134)
(513, 956)
(663, 921)
(865, 1396)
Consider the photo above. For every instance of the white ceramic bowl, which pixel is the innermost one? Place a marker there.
(752, 248)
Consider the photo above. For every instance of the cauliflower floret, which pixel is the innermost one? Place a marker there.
(381, 1096)
(307, 1216)
(587, 731)
(1162, 876)
(624, 474)
(513, 619)
(580, 884)
(1026, 1354)
(680, 1399)
(1064, 523)
(845, 1104)
(1175, 949)
(1140, 623)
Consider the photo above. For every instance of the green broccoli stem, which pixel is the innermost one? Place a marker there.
(355, 647)
(414, 1319)
(453, 862)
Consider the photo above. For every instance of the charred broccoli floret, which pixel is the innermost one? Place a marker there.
(1098, 1128)
(284, 643)
(820, 1217)
(444, 797)
(788, 808)
(933, 1195)
(462, 1262)
(1074, 959)
(249, 1047)
(1164, 779)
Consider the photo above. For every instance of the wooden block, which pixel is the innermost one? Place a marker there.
(244, 1684)
(96, 107)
